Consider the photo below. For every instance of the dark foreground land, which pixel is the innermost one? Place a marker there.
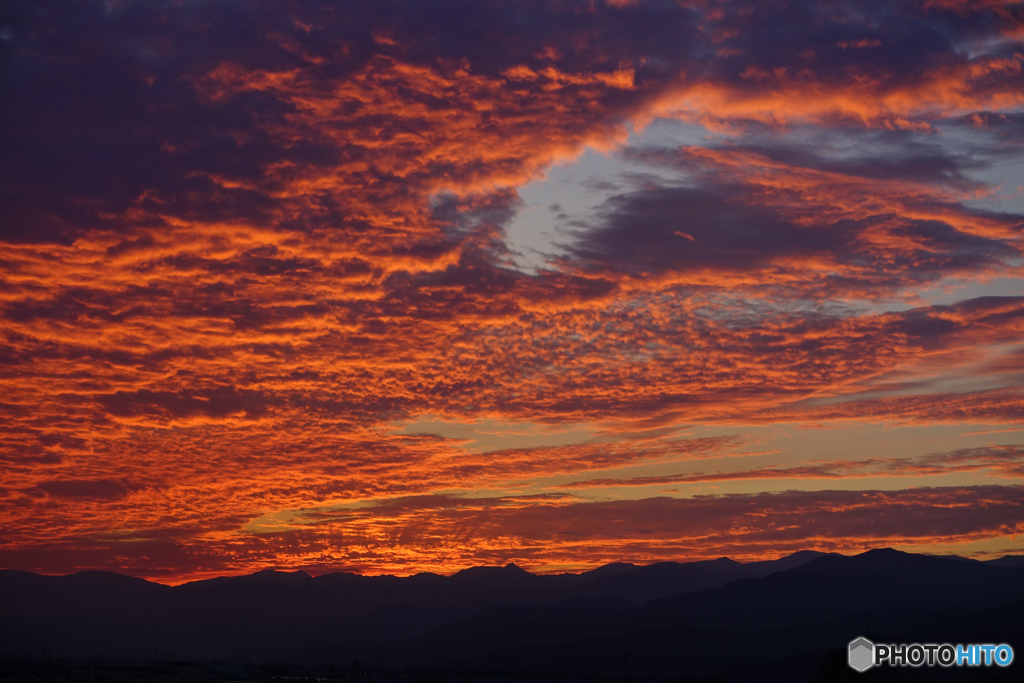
(787, 620)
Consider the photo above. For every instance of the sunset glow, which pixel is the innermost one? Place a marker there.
(395, 287)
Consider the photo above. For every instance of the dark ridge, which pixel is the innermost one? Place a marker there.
(694, 619)
(1007, 561)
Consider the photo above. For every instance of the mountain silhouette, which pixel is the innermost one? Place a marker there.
(717, 617)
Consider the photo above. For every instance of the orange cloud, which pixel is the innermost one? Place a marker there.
(257, 239)
(1001, 461)
(437, 533)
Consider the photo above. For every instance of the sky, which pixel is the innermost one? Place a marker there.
(405, 286)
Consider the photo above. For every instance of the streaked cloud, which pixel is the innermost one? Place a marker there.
(243, 245)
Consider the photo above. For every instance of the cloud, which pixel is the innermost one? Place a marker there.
(242, 241)
(441, 533)
(1002, 461)
(817, 62)
(98, 488)
(809, 225)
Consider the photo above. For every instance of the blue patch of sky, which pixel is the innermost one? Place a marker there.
(567, 200)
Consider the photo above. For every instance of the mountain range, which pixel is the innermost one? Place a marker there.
(784, 619)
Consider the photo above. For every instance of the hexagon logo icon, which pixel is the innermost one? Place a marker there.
(861, 655)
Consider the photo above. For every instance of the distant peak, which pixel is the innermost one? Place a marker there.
(509, 570)
(276, 575)
(613, 568)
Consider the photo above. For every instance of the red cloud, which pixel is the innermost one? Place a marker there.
(241, 243)
(439, 533)
(1002, 461)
